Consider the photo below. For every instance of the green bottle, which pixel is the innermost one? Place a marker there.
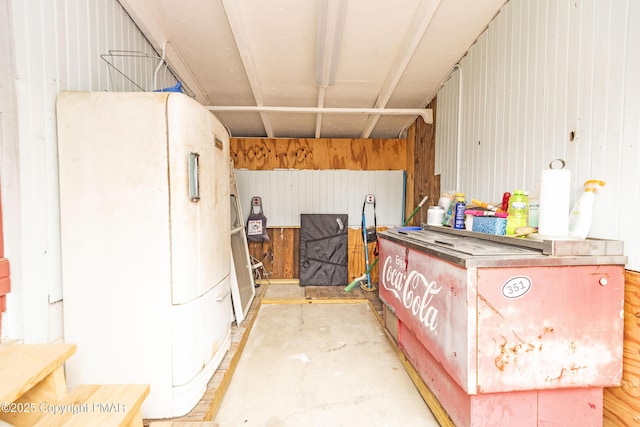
(518, 206)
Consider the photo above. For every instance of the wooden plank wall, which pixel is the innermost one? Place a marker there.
(332, 153)
(281, 255)
(622, 404)
(421, 178)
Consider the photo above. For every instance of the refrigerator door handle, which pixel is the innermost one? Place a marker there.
(223, 297)
(194, 177)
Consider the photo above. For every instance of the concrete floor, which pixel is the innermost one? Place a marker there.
(319, 364)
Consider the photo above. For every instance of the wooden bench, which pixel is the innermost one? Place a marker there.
(33, 391)
(98, 405)
(31, 373)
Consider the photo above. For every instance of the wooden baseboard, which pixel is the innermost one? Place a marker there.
(278, 282)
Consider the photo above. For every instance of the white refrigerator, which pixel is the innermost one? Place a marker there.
(144, 212)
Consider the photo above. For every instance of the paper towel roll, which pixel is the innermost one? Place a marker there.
(555, 192)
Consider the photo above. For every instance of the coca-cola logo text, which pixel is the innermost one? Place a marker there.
(413, 290)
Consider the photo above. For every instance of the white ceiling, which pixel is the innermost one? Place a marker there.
(262, 53)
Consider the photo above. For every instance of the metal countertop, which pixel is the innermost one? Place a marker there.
(472, 249)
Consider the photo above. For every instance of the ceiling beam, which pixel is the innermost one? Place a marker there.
(321, 95)
(421, 20)
(425, 113)
(331, 19)
(250, 69)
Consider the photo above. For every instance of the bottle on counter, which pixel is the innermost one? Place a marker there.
(458, 213)
(435, 215)
(582, 212)
(447, 219)
(446, 197)
(518, 206)
(505, 201)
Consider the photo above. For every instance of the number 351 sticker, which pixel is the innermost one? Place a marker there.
(516, 287)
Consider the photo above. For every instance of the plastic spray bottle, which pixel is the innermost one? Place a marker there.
(582, 212)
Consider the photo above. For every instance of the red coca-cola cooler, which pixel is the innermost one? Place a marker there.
(505, 330)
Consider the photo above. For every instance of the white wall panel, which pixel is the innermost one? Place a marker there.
(288, 193)
(446, 152)
(541, 72)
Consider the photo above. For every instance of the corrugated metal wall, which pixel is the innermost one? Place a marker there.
(550, 79)
(56, 45)
(288, 193)
(447, 133)
(65, 42)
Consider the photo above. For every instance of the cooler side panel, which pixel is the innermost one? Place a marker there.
(550, 327)
(435, 300)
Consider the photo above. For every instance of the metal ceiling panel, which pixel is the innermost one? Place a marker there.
(263, 53)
